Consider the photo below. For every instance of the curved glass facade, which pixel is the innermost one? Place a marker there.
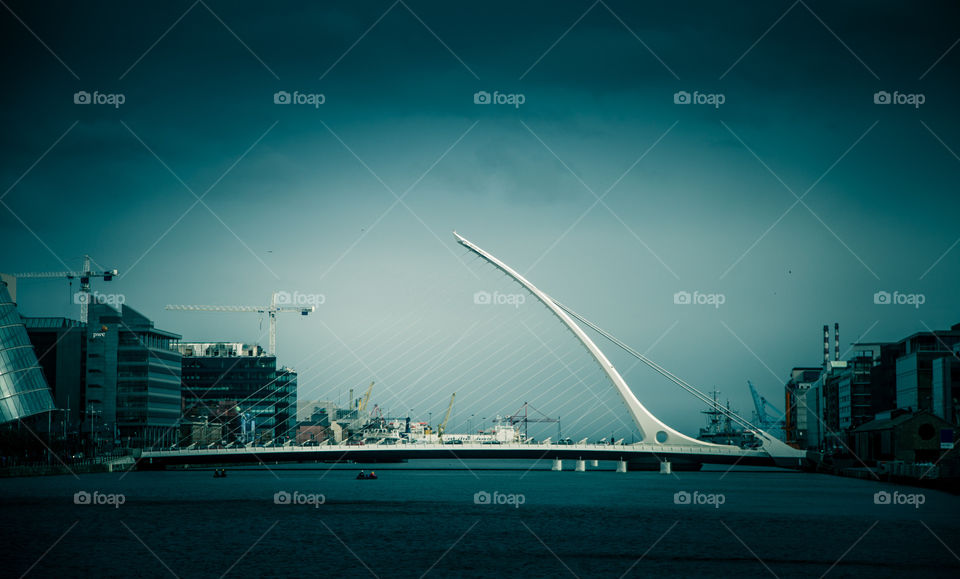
(23, 390)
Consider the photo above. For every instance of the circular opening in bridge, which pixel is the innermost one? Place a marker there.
(661, 436)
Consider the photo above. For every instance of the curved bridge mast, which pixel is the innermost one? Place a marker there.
(652, 430)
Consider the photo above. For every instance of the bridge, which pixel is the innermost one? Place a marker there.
(659, 443)
(637, 456)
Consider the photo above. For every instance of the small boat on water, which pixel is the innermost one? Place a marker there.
(219, 473)
(363, 476)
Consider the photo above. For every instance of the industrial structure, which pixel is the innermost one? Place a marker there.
(272, 309)
(85, 297)
(863, 407)
(524, 417)
(762, 417)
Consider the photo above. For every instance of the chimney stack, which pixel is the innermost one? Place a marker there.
(826, 344)
(836, 341)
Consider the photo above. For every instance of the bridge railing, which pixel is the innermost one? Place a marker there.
(631, 448)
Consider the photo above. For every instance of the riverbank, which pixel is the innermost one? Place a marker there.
(58, 468)
(942, 477)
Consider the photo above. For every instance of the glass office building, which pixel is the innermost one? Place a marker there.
(23, 389)
(239, 376)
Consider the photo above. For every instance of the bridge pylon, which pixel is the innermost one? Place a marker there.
(653, 431)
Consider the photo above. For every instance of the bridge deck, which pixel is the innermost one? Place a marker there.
(395, 452)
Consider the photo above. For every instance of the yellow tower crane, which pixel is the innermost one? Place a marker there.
(366, 398)
(443, 425)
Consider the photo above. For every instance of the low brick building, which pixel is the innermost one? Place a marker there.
(909, 437)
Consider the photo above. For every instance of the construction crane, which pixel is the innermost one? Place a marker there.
(762, 417)
(83, 298)
(443, 425)
(366, 398)
(271, 310)
(522, 415)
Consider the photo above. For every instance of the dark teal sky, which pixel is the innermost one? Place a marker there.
(303, 198)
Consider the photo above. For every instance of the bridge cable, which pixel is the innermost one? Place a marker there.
(663, 371)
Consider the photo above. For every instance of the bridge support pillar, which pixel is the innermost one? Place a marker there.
(665, 467)
(621, 466)
(581, 465)
(557, 464)
(594, 462)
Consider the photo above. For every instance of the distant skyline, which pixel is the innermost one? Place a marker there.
(794, 195)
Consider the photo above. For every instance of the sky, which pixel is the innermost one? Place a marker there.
(781, 162)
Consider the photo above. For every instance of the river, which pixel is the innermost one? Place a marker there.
(451, 519)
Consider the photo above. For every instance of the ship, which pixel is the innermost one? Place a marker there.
(720, 429)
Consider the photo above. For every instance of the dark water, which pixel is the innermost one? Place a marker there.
(411, 522)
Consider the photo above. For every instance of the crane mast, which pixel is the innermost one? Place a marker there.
(765, 420)
(366, 397)
(443, 425)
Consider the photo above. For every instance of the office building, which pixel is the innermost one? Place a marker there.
(132, 378)
(801, 420)
(61, 347)
(915, 366)
(242, 377)
(945, 386)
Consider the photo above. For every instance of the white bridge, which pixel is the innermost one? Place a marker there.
(639, 456)
(658, 441)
